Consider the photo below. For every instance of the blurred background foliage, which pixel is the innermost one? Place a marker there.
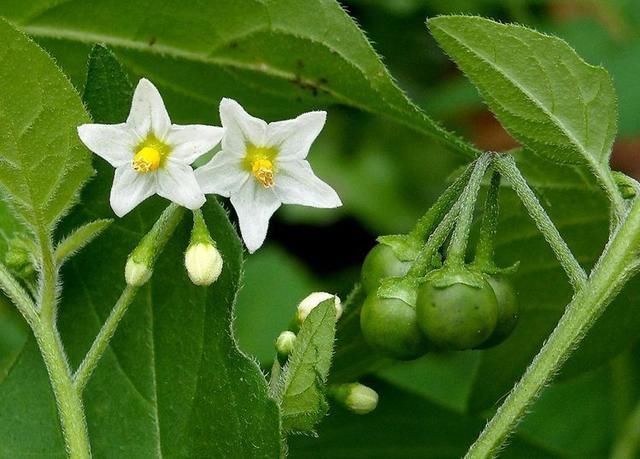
(387, 176)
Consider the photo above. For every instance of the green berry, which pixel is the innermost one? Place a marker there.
(381, 262)
(507, 309)
(389, 326)
(456, 309)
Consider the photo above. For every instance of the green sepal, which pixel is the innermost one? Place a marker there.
(404, 246)
(401, 288)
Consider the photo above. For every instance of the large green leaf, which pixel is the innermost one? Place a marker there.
(42, 165)
(277, 57)
(172, 383)
(541, 90)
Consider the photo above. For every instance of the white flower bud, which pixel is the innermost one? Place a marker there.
(313, 300)
(136, 274)
(203, 263)
(356, 397)
(284, 344)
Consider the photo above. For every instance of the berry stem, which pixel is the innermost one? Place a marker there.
(505, 164)
(489, 226)
(438, 210)
(458, 246)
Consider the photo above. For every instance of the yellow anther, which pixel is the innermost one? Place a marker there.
(262, 170)
(146, 160)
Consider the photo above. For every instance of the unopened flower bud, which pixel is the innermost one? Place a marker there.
(202, 259)
(356, 397)
(313, 300)
(284, 345)
(203, 263)
(136, 273)
(18, 258)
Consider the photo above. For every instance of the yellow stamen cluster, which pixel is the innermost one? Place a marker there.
(260, 161)
(262, 170)
(146, 160)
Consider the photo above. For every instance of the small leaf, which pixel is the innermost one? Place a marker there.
(546, 96)
(302, 399)
(43, 165)
(80, 238)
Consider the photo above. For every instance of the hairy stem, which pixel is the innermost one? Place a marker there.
(489, 226)
(14, 291)
(437, 211)
(85, 370)
(616, 266)
(150, 246)
(68, 399)
(458, 247)
(507, 167)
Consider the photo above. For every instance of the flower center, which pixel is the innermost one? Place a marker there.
(146, 160)
(262, 170)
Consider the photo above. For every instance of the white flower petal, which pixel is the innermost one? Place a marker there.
(294, 137)
(112, 142)
(177, 182)
(190, 142)
(240, 128)
(222, 175)
(148, 113)
(130, 189)
(254, 205)
(295, 183)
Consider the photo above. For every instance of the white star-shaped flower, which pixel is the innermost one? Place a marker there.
(262, 166)
(150, 154)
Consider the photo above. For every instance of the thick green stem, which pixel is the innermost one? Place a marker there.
(507, 167)
(618, 263)
(85, 370)
(68, 399)
(458, 248)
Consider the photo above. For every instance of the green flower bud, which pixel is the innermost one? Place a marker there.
(313, 300)
(356, 397)
(137, 273)
(284, 345)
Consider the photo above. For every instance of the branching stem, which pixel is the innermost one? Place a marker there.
(616, 266)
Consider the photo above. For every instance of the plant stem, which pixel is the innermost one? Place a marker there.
(615, 267)
(68, 399)
(507, 167)
(85, 370)
(436, 212)
(627, 444)
(12, 288)
(458, 247)
(486, 240)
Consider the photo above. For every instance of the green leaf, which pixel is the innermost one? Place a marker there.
(546, 96)
(172, 383)
(302, 399)
(277, 58)
(43, 164)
